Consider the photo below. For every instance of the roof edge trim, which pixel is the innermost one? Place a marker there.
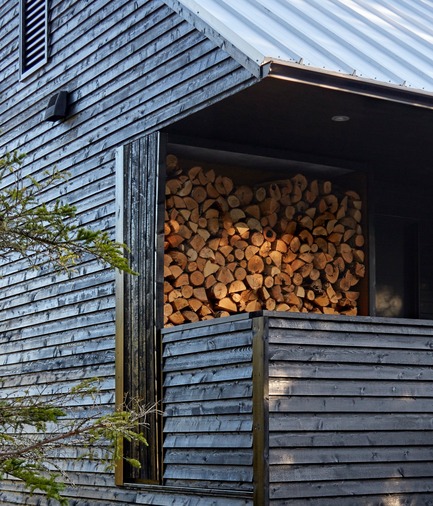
(281, 69)
(244, 53)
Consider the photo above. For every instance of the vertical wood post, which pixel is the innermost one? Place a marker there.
(120, 293)
(138, 346)
(260, 412)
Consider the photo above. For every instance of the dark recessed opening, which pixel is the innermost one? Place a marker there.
(276, 128)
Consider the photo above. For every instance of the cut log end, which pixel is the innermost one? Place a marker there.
(295, 245)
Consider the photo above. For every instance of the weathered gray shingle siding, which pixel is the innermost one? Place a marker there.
(130, 68)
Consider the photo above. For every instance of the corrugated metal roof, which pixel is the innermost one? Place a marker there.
(390, 41)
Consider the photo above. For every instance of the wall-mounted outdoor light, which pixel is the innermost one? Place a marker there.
(57, 106)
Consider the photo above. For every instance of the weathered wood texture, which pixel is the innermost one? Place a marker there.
(350, 404)
(208, 405)
(348, 413)
(130, 68)
(141, 351)
(350, 409)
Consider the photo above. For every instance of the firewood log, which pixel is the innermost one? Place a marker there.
(294, 245)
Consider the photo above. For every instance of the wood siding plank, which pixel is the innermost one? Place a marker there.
(349, 410)
(131, 68)
(208, 405)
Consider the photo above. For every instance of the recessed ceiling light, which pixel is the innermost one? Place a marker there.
(340, 118)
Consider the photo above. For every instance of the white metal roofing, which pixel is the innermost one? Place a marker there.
(390, 41)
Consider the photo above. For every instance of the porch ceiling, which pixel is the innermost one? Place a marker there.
(292, 120)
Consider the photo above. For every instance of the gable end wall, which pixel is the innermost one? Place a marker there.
(130, 68)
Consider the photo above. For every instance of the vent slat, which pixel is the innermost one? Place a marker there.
(36, 38)
(33, 5)
(33, 62)
(36, 11)
(34, 23)
(33, 54)
(33, 33)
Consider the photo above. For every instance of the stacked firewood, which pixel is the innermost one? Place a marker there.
(291, 245)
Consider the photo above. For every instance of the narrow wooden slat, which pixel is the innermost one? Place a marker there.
(330, 422)
(216, 374)
(222, 341)
(239, 457)
(211, 391)
(344, 324)
(323, 370)
(351, 404)
(296, 456)
(354, 355)
(207, 423)
(215, 358)
(361, 438)
(209, 407)
(365, 388)
(211, 441)
(350, 489)
(238, 488)
(332, 472)
(226, 474)
(381, 498)
(236, 323)
(337, 338)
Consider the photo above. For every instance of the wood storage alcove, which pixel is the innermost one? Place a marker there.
(239, 239)
(279, 386)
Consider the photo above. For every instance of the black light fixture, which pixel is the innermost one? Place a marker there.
(57, 106)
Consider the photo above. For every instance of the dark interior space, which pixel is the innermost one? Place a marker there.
(294, 121)
(278, 127)
(396, 241)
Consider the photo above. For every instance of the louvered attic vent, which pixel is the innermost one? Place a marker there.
(33, 48)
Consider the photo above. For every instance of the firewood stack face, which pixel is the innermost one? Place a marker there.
(292, 245)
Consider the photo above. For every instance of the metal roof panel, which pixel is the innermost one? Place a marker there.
(390, 41)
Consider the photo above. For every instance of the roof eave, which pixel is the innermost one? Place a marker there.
(297, 72)
(261, 66)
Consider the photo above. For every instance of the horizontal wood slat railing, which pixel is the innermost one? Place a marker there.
(346, 406)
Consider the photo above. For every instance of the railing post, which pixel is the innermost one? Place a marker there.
(260, 412)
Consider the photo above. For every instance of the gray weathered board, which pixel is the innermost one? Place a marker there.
(349, 399)
(350, 410)
(131, 68)
(348, 402)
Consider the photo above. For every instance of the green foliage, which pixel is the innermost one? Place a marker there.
(35, 478)
(47, 232)
(33, 427)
